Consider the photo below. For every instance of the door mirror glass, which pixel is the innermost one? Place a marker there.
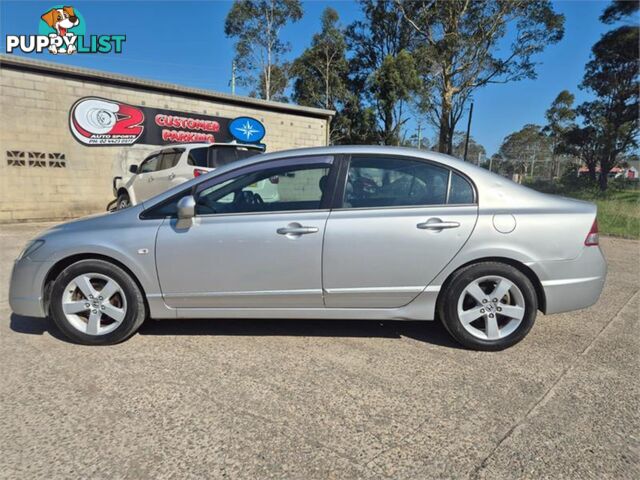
(133, 169)
(186, 207)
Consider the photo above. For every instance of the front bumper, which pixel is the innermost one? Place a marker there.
(25, 289)
(572, 284)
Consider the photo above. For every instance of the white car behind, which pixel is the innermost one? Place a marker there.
(175, 164)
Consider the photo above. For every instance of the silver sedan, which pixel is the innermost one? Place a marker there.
(354, 233)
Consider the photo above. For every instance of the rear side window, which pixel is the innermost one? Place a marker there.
(221, 156)
(394, 182)
(198, 157)
(460, 191)
(170, 159)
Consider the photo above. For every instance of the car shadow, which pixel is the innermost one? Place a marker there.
(427, 332)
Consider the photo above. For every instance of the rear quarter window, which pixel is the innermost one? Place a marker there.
(460, 191)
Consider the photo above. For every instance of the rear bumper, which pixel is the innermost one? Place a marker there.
(572, 284)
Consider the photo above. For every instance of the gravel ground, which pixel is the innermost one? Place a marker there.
(325, 399)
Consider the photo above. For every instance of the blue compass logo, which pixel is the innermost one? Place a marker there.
(247, 129)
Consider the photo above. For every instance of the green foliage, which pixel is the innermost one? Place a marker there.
(618, 9)
(256, 26)
(321, 73)
(612, 75)
(618, 207)
(526, 147)
(382, 70)
(461, 49)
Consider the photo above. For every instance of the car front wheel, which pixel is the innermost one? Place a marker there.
(94, 302)
(489, 306)
(123, 201)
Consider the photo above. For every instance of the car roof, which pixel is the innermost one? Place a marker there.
(190, 146)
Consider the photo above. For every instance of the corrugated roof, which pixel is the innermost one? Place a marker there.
(102, 77)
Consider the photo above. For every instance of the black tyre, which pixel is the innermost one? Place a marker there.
(488, 306)
(123, 201)
(94, 302)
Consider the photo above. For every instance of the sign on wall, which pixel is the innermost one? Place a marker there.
(99, 122)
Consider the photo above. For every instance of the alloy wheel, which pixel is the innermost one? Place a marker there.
(94, 304)
(491, 307)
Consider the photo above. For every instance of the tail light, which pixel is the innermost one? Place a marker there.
(592, 237)
(198, 171)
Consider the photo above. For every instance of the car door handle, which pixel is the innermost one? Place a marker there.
(171, 176)
(437, 224)
(296, 229)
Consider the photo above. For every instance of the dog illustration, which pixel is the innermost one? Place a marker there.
(61, 20)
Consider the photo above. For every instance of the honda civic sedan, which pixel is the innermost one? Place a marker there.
(354, 233)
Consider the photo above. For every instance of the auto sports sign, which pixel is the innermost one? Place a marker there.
(95, 121)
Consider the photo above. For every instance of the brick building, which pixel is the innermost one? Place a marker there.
(47, 173)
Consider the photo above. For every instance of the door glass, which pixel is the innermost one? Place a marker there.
(392, 182)
(461, 191)
(267, 190)
(198, 157)
(149, 165)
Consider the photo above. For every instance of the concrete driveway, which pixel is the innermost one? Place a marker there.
(325, 399)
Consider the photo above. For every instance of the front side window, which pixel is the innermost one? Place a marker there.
(394, 182)
(169, 159)
(277, 189)
(149, 165)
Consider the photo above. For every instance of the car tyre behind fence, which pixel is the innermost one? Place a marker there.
(488, 306)
(94, 302)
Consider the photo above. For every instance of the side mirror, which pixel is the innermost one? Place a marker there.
(133, 168)
(186, 208)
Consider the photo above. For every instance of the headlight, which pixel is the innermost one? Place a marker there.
(30, 248)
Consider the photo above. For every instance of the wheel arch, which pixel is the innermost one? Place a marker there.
(525, 270)
(55, 271)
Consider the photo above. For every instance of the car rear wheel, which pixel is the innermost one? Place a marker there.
(123, 201)
(489, 306)
(94, 302)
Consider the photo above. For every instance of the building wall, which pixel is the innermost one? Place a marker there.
(34, 113)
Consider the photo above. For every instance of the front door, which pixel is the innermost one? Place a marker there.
(143, 181)
(400, 223)
(244, 251)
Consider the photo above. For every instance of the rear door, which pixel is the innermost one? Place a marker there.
(399, 222)
(167, 174)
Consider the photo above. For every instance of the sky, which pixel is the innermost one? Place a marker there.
(184, 43)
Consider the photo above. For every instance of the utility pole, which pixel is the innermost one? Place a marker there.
(419, 135)
(490, 162)
(466, 142)
(233, 77)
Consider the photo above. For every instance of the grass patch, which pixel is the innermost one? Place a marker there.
(618, 209)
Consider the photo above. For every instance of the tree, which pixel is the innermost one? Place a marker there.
(560, 117)
(460, 45)
(582, 143)
(612, 75)
(321, 72)
(526, 147)
(382, 69)
(256, 24)
(475, 152)
(618, 10)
